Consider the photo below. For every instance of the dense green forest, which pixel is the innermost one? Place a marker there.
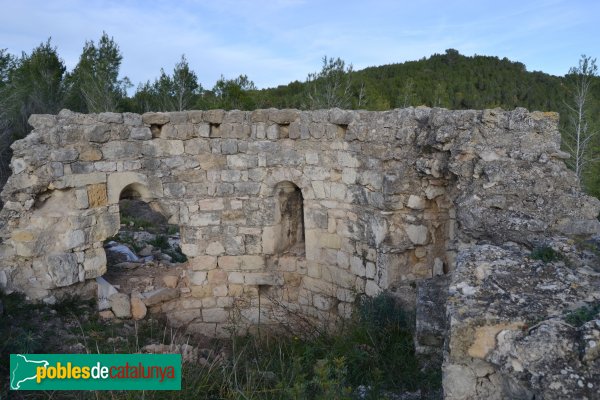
(39, 82)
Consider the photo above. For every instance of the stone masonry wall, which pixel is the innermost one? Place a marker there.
(383, 198)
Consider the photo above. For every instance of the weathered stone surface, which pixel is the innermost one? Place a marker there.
(138, 308)
(141, 133)
(97, 196)
(152, 118)
(159, 296)
(94, 264)
(514, 325)
(417, 234)
(120, 305)
(431, 327)
(170, 281)
(62, 269)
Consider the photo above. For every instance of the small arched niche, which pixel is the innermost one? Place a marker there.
(290, 219)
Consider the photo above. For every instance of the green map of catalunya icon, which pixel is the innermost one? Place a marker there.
(24, 369)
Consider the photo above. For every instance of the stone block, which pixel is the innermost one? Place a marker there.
(97, 195)
(235, 278)
(198, 277)
(215, 249)
(178, 117)
(220, 291)
(339, 277)
(62, 268)
(214, 315)
(90, 154)
(357, 267)
(418, 234)
(372, 289)
(211, 204)
(80, 180)
(183, 317)
(203, 263)
(230, 263)
(217, 276)
(283, 117)
(159, 296)
(154, 118)
(323, 303)
(262, 278)
(269, 239)
(341, 117)
(121, 150)
(416, 202)
(94, 263)
(171, 281)
(249, 262)
(120, 305)
(97, 133)
(205, 219)
(330, 241)
(202, 291)
(140, 133)
(138, 308)
(132, 119)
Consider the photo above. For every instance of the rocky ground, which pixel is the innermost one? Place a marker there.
(144, 264)
(523, 324)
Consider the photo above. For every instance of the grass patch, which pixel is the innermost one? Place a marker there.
(172, 230)
(546, 254)
(132, 222)
(583, 314)
(371, 357)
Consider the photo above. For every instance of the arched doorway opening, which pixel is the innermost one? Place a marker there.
(144, 258)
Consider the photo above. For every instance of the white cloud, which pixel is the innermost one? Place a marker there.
(277, 41)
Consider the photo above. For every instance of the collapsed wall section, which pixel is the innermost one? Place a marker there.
(283, 210)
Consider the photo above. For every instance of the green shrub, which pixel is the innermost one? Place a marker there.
(160, 242)
(176, 255)
(372, 354)
(546, 254)
(583, 314)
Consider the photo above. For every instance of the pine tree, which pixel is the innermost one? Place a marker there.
(580, 132)
(31, 84)
(94, 84)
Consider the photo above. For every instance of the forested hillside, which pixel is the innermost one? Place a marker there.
(39, 83)
(448, 80)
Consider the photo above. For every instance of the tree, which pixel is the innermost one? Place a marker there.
(31, 84)
(407, 94)
(170, 93)
(185, 84)
(234, 94)
(94, 84)
(580, 132)
(331, 87)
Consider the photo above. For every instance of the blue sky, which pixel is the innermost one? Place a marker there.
(278, 41)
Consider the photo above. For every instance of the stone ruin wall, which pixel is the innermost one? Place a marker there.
(290, 210)
(386, 198)
(285, 213)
